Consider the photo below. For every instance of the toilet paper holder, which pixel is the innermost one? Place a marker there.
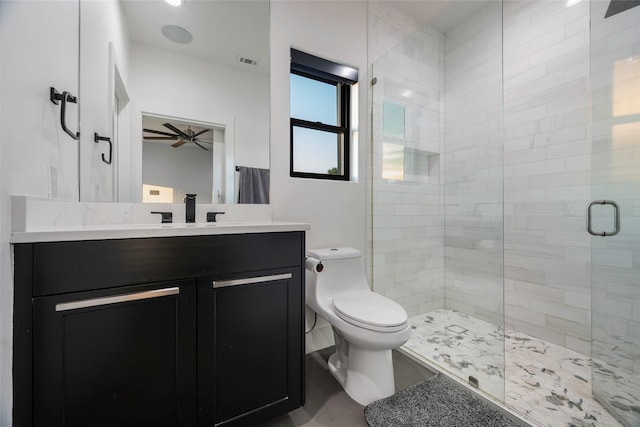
(313, 265)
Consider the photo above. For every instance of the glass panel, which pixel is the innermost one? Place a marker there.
(313, 100)
(473, 187)
(316, 151)
(439, 89)
(615, 266)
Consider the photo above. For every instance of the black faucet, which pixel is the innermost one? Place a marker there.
(167, 217)
(190, 207)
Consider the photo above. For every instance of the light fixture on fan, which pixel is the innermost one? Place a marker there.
(180, 136)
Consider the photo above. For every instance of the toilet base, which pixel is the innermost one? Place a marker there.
(366, 375)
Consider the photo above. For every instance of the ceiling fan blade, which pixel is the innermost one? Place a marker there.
(206, 141)
(201, 146)
(179, 143)
(176, 130)
(160, 138)
(200, 133)
(158, 132)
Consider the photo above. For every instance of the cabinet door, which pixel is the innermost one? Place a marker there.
(250, 347)
(119, 357)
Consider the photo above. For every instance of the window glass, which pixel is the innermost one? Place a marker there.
(393, 161)
(316, 151)
(321, 105)
(393, 120)
(313, 100)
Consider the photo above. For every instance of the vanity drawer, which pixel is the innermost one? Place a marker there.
(61, 267)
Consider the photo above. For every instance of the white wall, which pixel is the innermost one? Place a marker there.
(336, 210)
(33, 141)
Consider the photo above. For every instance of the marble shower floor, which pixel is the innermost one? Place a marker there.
(546, 383)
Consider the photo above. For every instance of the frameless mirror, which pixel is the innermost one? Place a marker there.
(150, 70)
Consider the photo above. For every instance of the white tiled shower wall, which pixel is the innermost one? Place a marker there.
(473, 165)
(546, 171)
(541, 49)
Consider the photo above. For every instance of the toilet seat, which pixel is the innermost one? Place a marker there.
(369, 310)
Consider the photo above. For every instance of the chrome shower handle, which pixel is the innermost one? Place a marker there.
(616, 218)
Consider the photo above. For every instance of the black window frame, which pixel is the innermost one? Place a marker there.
(325, 71)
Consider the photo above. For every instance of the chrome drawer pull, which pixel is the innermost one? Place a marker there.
(249, 280)
(95, 302)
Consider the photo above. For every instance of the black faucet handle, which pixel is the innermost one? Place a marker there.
(190, 207)
(211, 216)
(167, 217)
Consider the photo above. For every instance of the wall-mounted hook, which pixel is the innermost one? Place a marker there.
(97, 138)
(55, 97)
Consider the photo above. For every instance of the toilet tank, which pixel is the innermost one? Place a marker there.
(343, 270)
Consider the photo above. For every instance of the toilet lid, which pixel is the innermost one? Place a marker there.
(369, 310)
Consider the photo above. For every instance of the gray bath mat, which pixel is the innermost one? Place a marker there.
(436, 401)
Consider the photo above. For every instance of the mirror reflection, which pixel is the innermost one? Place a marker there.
(199, 73)
(176, 155)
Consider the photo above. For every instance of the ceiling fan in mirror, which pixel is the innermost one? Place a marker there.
(180, 136)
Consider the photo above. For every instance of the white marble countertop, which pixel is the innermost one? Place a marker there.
(138, 231)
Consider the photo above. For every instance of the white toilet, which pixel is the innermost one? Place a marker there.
(366, 325)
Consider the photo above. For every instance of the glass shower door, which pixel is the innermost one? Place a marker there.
(614, 214)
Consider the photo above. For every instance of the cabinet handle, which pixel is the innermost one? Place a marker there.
(95, 302)
(249, 280)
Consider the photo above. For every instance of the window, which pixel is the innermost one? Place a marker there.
(320, 100)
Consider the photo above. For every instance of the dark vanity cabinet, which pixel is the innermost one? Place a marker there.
(244, 326)
(175, 331)
(123, 356)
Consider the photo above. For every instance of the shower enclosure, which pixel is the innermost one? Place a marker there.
(494, 125)
(615, 166)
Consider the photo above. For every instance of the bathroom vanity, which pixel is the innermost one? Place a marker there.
(159, 326)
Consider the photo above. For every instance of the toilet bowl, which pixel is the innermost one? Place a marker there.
(366, 325)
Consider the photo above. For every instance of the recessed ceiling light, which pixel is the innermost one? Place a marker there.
(174, 2)
(176, 34)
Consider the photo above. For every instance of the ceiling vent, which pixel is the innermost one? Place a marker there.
(248, 61)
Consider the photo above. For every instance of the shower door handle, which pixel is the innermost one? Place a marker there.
(616, 218)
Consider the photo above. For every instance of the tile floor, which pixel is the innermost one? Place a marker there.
(328, 405)
(548, 384)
